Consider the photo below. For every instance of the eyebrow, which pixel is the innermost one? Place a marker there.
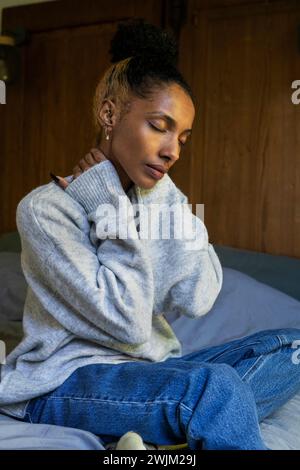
(169, 119)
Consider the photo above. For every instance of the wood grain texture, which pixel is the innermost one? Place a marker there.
(240, 59)
(71, 13)
(47, 123)
(246, 145)
(210, 4)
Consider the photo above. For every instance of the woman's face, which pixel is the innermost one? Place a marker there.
(152, 132)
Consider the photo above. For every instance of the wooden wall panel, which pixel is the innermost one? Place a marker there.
(11, 154)
(47, 123)
(209, 4)
(245, 147)
(240, 60)
(58, 129)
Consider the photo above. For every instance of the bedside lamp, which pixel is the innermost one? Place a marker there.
(9, 59)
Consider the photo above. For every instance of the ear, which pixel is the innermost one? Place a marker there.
(108, 113)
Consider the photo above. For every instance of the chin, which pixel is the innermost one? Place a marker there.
(147, 185)
(144, 181)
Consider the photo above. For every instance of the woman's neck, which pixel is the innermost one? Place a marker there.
(126, 182)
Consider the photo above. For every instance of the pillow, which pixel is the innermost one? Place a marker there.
(10, 242)
(281, 272)
(13, 287)
(243, 306)
(17, 435)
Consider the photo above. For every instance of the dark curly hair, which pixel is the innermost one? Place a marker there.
(143, 57)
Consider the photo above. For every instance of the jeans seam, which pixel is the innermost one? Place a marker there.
(153, 402)
(182, 405)
(188, 430)
(280, 340)
(253, 368)
(27, 414)
(256, 364)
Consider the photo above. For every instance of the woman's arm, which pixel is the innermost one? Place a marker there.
(198, 274)
(188, 277)
(106, 295)
(187, 274)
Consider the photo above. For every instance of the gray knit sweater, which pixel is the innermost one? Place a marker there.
(95, 296)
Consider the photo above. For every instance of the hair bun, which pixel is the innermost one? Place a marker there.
(139, 38)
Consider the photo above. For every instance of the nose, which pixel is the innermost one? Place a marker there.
(171, 152)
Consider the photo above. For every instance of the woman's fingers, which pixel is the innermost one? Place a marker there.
(62, 182)
(80, 168)
(90, 159)
(76, 172)
(97, 155)
(83, 164)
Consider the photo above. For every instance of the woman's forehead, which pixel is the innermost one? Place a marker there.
(173, 103)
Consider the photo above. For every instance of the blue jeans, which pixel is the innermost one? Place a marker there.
(211, 399)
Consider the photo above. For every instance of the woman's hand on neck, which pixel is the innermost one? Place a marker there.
(95, 156)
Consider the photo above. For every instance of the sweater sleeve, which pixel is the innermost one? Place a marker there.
(191, 276)
(105, 294)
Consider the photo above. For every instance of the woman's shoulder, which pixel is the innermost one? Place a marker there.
(49, 208)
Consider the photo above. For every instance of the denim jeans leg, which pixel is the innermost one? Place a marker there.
(170, 402)
(265, 362)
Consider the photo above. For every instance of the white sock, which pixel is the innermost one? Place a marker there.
(130, 440)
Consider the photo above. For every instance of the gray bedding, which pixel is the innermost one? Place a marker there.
(245, 305)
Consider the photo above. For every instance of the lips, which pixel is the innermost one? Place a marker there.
(160, 168)
(154, 172)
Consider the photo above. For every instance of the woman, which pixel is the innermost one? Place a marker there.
(97, 352)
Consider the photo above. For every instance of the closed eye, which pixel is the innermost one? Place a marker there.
(156, 128)
(164, 130)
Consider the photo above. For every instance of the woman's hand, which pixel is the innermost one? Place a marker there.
(90, 159)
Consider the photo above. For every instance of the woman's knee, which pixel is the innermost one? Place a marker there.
(218, 380)
(224, 376)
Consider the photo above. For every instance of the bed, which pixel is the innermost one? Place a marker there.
(259, 292)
